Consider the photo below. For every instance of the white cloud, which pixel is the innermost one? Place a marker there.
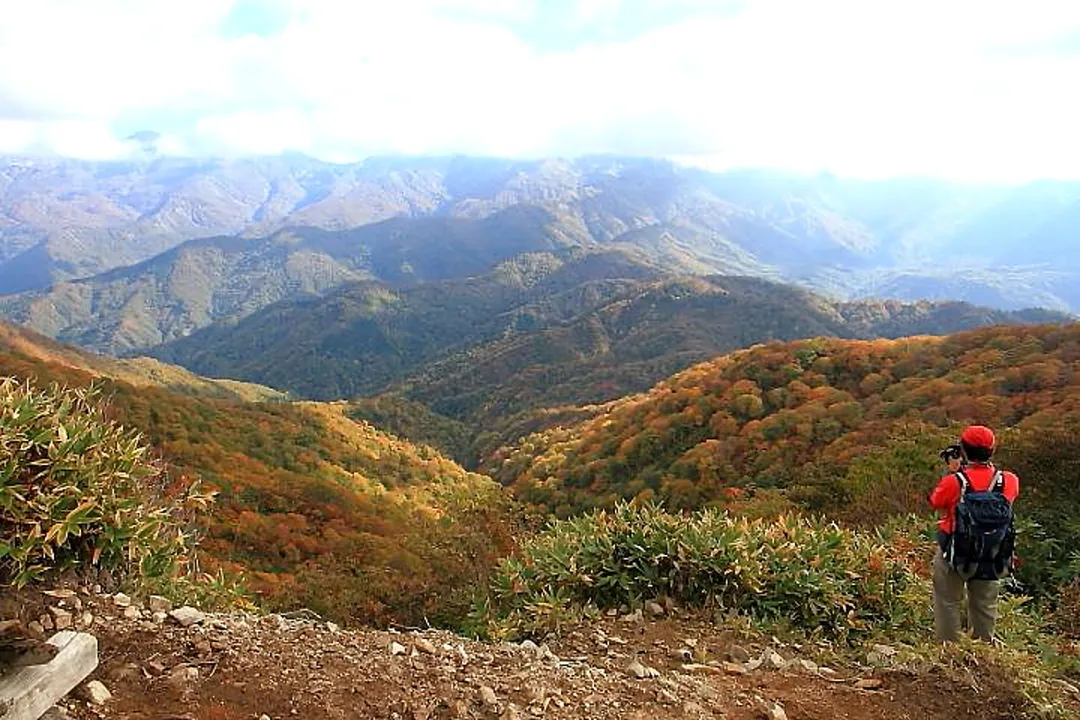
(867, 88)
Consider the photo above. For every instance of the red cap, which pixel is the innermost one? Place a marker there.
(978, 436)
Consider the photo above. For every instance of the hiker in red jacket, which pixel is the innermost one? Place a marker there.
(965, 559)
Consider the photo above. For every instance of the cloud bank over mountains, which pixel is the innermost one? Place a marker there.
(964, 90)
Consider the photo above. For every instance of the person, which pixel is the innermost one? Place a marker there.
(978, 474)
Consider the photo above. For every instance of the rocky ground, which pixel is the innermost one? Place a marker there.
(164, 664)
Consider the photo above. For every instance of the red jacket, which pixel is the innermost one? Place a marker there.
(947, 494)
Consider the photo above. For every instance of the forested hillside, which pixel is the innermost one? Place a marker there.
(846, 428)
(539, 331)
(762, 417)
(314, 509)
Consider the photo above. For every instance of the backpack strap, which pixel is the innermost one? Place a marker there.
(998, 483)
(965, 483)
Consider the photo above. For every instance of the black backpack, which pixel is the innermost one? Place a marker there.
(983, 537)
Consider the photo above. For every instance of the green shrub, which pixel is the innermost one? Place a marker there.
(839, 584)
(77, 490)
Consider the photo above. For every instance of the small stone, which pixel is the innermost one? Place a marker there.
(86, 619)
(807, 665)
(488, 696)
(159, 617)
(737, 653)
(156, 667)
(655, 609)
(203, 648)
(46, 622)
(635, 616)
(264, 716)
(187, 616)
(880, 655)
(425, 646)
(35, 628)
(869, 683)
(530, 646)
(132, 613)
(95, 693)
(333, 627)
(62, 619)
(735, 668)
(641, 672)
(184, 675)
(158, 603)
(397, 648)
(690, 642)
(772, 660)
(121, 600)
(773, 711)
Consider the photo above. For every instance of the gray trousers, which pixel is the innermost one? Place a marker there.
(982, 596)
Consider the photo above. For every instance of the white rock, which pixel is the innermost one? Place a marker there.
(655, 609)
(159, 604)
(159, 617)
(95, 693)
(424, 645)
(772, 660)
(774, 711)
(121, 600)
(333, 627)
(132, 613)
(488, 696)
(397, 648)
(184, 675)
(187, 616)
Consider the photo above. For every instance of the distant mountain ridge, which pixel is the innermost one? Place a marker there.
(65, 219)
(225, 278)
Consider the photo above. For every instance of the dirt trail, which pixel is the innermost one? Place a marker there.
(240, 667)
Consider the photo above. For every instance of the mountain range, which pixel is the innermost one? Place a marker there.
(62, 220)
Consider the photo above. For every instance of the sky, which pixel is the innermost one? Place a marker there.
(959, 89)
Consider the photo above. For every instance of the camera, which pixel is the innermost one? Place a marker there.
(953, 452)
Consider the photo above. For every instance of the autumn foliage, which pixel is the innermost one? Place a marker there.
(846, 428)
(314, 509)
